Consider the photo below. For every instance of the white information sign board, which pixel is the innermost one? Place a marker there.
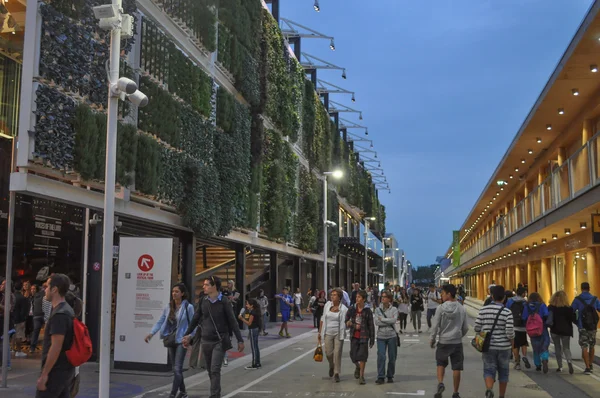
(143, 291)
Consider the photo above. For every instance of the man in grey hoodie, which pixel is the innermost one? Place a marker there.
(448, 328)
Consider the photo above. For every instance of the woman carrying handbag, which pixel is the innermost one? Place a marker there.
(332, 329)
(172, 325)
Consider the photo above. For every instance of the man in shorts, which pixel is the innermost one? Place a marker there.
(586, 306)
(516, 305)
(449, 326)
(285, 307)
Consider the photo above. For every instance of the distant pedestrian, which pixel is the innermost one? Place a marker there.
(586, 306)
(57, 372)
(332, 330)
(362, 334)
(252, 319)
(264, 309)
(173, 324)
(386, 316)
(403, 309)
(285, 304)
(319, 306)
(449, 327)
(416, 308)
(217, 322)
(498, 320)
(433, 301)
(560, 319)
(298, 304)
(535, 315)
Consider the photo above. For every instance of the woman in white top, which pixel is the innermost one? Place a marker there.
(333, 330)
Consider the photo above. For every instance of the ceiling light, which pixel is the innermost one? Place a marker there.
(515, 252)
(554, 236)
(526, 247)
(530, 151)
(534, 244)
(523, 161)
(509, 254)
(561, 111)
(538, 140)
(332, 45)
(520, 250)
(510, 176)
(494, 198)
(548, 127)
(583, 225)
(575, 92)
(593, 68)
(497, 193)
(516, 169)
(490, 202)
(544, 241)
(567, 231)
(502, 189)
(316, 6)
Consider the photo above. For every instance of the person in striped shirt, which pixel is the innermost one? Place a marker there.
(497, 358)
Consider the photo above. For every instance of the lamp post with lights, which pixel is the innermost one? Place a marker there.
(337, 174)
(366, 234)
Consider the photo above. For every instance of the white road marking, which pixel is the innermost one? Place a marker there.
(271, 373)
(419, 392)
(256, 392)
(413, 340)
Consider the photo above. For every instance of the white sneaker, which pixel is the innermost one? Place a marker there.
(20, 355)
(225, 362)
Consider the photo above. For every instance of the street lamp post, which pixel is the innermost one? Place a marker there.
(383, 249)
(326, 223)
(366, 234)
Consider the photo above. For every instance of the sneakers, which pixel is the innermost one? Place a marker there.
(225, 362)
(545, 366)
(287, 336)
(330, 372)
(517, 366)
(252, 367)
(362, 381)
(587, 371)
(380, 381)
(336, 378)
(526, 362)
(281, 334)
(456, 395)
(420, 331)
(390, 380)
(357, 372)
(182, 395)
(20, 355)
(440, 390)
(538, 368)
(570, 368)
(265, 333)
(489, 394)
(559, 370)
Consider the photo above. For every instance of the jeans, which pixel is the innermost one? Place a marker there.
(430, 314)
(213, 354)
(416, 318)
(333, 351)
(402, 317)
(38, 323)
(496, 361)
(562, 345)
(265, 322)
(177, 356)
(253, 337)
(298, 312)
(540, 347)
(391, 345)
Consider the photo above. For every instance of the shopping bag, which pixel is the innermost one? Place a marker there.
(318, 357)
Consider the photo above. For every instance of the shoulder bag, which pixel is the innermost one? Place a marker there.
(482, 339)
(392, 326)
(170, 340)
(224, 339)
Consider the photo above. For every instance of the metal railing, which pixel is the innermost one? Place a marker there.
(575, 176)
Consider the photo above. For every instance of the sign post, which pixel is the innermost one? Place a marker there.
(143, 291)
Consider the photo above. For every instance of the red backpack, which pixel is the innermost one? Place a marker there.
(535, 324)
(81, 349)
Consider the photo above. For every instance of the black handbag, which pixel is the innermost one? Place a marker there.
(170, 340)
(224, 338)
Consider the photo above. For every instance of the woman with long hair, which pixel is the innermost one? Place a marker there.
(172, 325)
(252, 319)
(560, 319)
(319, 306)
(541, 343)
(403, 309)
(416, 308)
(332, 329)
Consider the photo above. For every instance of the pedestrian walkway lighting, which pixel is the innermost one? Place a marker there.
(510, 176)
(554, 236)
(317, 9)
(332, 45)
(575, 92)
(544, 241)
(594, 68)
(516, 169)
(548, 127)
(337, 174)
(523, 161)
(330, 88)
(582, 225)
(290, 30)
(561, 111)
(567, 231)
(309, 64)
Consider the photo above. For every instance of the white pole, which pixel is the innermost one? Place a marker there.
(109, 213)
(366, 252)
(9, 263)
(383, 248)
(325, 267)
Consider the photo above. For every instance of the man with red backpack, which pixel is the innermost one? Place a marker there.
(586, 306)
(57, 371)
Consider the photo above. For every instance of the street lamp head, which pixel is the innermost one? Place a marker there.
(370, 218)
(335, 174)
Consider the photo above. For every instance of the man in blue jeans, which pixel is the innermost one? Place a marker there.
(497, 358)
(387, 337)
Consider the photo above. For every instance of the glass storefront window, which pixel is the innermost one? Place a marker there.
(579, 269)
(558, 276)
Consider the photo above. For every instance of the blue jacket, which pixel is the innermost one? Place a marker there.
(183, 320)
(530, 307)
(578, 306)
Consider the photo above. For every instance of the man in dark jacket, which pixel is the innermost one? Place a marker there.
(38, 318)
(362, 334)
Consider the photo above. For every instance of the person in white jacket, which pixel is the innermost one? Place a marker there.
(333, 330)
(449, 327)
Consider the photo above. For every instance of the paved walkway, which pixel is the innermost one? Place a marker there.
(289, 371)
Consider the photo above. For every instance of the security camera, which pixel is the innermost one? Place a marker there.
(330, 223)
(138, 98)
(95, 220)
(126, 85)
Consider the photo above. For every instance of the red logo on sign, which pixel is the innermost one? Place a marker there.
(145, 262)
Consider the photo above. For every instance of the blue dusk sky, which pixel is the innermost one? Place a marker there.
(443, 85)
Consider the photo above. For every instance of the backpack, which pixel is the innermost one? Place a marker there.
(517, 311)
(81, 347)
(589, 315)
(535, 324)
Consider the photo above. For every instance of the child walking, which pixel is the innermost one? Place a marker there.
(252, 318)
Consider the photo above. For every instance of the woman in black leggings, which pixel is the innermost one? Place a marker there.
(403, 309)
